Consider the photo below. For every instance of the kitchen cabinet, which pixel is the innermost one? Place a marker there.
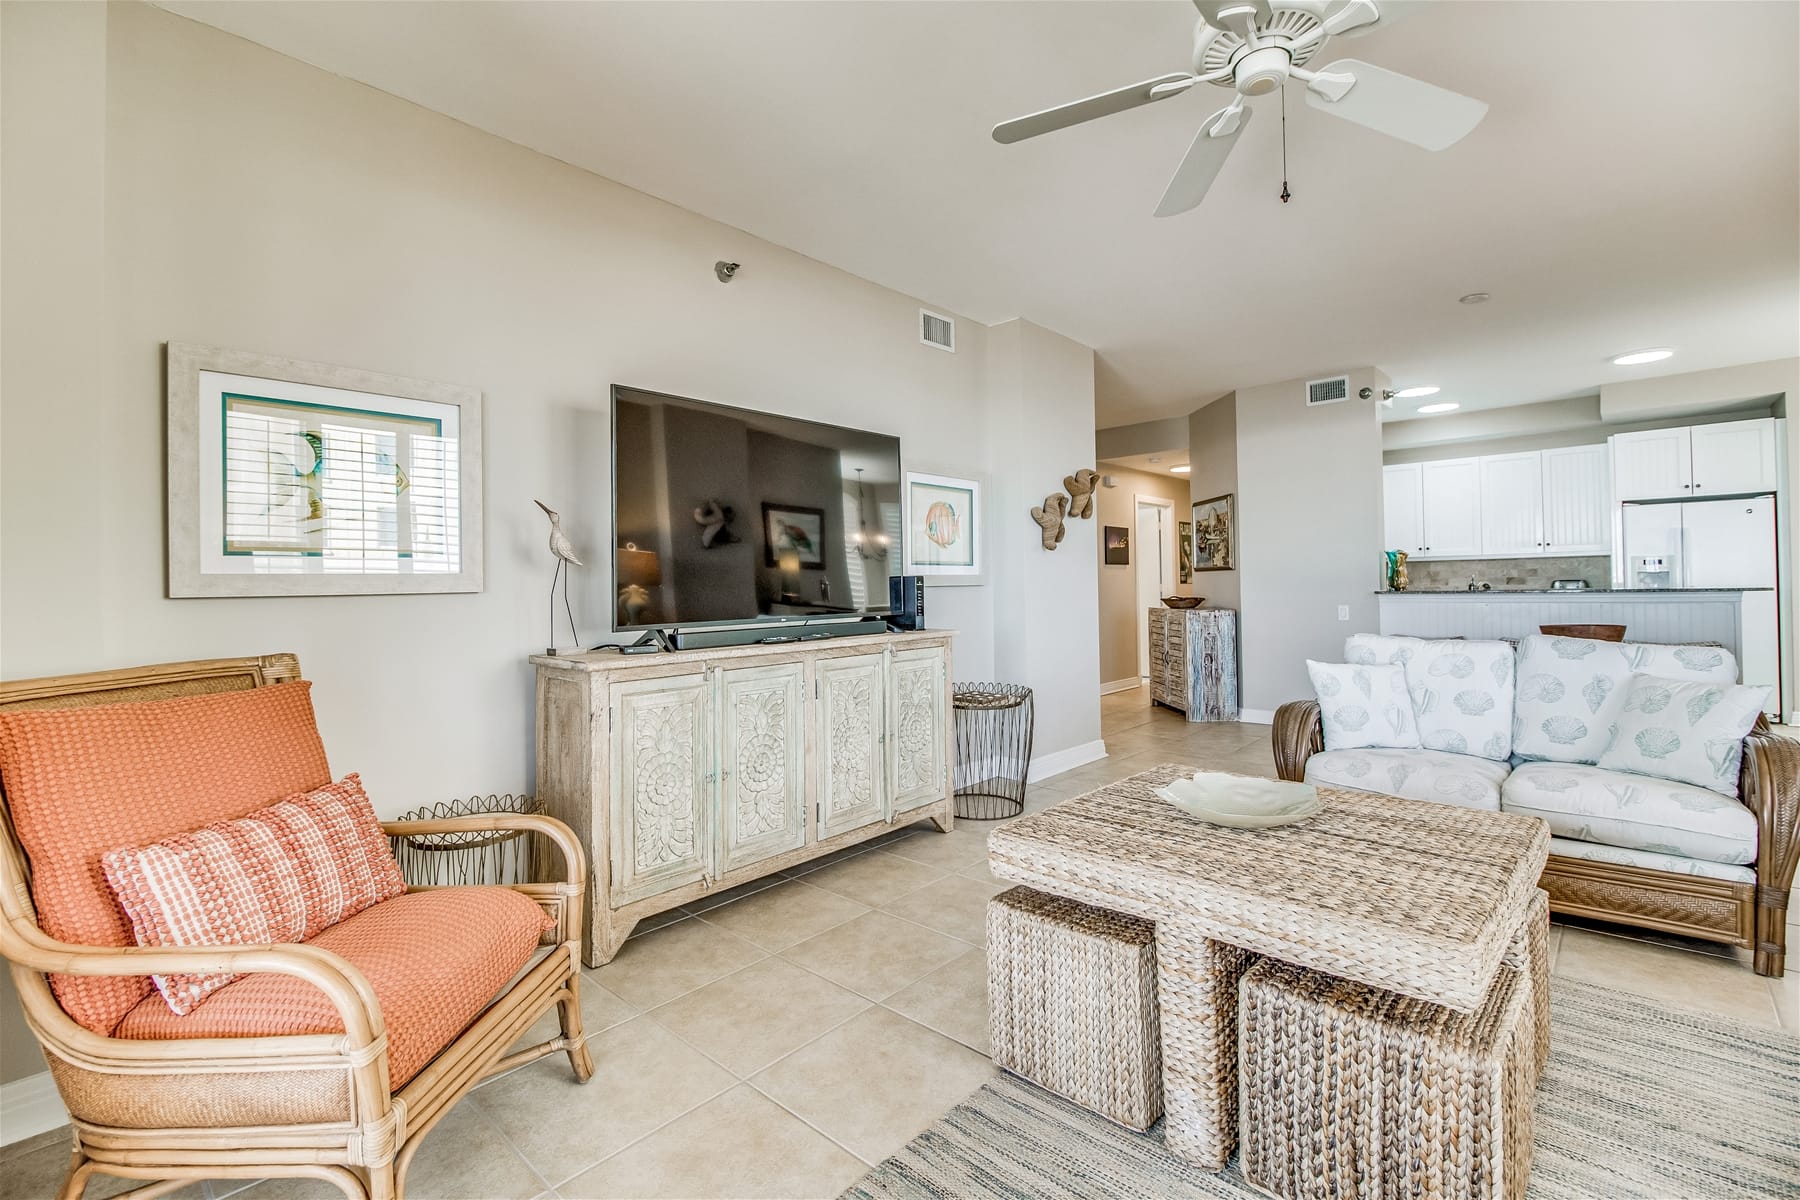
(1653, 464)
(1450, 506)
(1733, 458)
(1577, 500)
(1512, 503)
(1726, 459)
(1403, 527)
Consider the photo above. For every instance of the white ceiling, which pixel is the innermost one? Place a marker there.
(1635, 183)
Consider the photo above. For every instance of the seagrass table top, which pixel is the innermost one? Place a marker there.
(1417, 898)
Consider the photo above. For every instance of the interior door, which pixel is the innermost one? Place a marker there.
(916, 728)
(1401, 521)
(662, 781)
(762, 763)
(1734, 458)
(1154, 535)
(1654, 464)
(1577, 500)
(1512, 503)
(850, 722)
(1450, 500)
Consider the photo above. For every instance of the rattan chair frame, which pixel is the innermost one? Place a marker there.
(1750, 916)
(315, 1105)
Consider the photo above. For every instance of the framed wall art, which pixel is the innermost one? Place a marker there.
(1215, 536)
(1117, 541)
(792, 531)
(291, 478)
(943, 526)
(1184, 538)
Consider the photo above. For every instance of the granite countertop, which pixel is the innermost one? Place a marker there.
(1567, 592)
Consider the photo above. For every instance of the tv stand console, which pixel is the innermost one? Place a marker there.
(688, 772)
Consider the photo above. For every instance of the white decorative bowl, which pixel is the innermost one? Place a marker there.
(1242, 802)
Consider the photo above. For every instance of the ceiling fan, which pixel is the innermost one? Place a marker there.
(1253, 47)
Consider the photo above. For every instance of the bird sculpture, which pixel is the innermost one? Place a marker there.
(564, 550)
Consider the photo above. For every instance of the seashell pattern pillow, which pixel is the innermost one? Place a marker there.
(1570, 690)
(1462, 691)
(1363, 705)
(1683, 730)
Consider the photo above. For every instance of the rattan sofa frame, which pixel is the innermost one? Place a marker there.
(315, 1105)
(1749, 916)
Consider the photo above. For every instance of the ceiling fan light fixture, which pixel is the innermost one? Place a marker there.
(1637, 358)
(1413, 393)
(1430, 410)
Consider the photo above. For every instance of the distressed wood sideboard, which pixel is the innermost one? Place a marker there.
(689, 772)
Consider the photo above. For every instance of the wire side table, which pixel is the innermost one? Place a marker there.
(993, 749)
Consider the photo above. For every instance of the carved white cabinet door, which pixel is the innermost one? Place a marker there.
(916, 728)
(851, 766)
(762, 763)
(661, 784)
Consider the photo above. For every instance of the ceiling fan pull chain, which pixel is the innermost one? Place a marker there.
(1284, 187)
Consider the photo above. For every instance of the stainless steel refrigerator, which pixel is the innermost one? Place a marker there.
(1715, 544)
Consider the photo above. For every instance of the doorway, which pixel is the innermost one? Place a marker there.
(1154, 556)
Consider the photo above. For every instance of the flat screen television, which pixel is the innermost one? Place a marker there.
(724, 514)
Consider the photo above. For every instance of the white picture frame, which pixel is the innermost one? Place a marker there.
(387, 501)
(944, 522)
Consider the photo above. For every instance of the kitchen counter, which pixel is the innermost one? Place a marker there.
(1565, 593)
(1649, 615)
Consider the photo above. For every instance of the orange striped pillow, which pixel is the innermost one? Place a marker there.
(281, 874)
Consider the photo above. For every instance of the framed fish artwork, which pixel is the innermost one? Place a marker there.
(943, 524)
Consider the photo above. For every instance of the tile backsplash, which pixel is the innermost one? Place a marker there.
(1503, 573)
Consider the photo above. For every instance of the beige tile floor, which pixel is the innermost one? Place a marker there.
(778, 1041)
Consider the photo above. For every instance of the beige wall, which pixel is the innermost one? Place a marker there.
(161, 180)
(1213, 457)
(1309, 531)
(1120, 613)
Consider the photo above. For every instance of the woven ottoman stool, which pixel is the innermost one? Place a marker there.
(1072, 1003)
(1352, 1091)
(1530, 955)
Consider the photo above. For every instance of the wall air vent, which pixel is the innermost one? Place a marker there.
(936, 330)
(1327, 391)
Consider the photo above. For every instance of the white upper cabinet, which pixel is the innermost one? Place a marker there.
(1402, 524)
(1733, 458)
(1450, 502)
(1728, 459)
(1652, 465)
(1577, 501)
(1512, 503)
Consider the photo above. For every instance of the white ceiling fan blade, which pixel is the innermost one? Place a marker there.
(1387, 12)
(1204, 159)
(1103, 105)
(1400, 106)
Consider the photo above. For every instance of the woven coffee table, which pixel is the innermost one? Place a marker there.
(1415, 898)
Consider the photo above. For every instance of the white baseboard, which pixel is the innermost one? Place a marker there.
(1257, 716)
(28, 1107)
(1046, 765)
(1120, 685)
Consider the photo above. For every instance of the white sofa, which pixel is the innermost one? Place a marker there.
(1522, 731)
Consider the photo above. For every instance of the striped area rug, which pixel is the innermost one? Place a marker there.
(1637, 1100)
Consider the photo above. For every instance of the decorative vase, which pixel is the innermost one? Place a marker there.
(1399, 580)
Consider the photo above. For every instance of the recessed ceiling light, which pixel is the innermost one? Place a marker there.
(1181, 470)
(1413, 393)
(1156, 458)
(1639, 357)
(1428, 409)
(1474, 298)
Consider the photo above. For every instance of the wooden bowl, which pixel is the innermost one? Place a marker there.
(1184, 601)
(1593, 633)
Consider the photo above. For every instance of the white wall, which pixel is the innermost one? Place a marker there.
(162, 181)
(1309, 531)
(1121, 617)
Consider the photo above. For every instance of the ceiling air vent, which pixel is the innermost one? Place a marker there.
(939, 331)
(1327, 391)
